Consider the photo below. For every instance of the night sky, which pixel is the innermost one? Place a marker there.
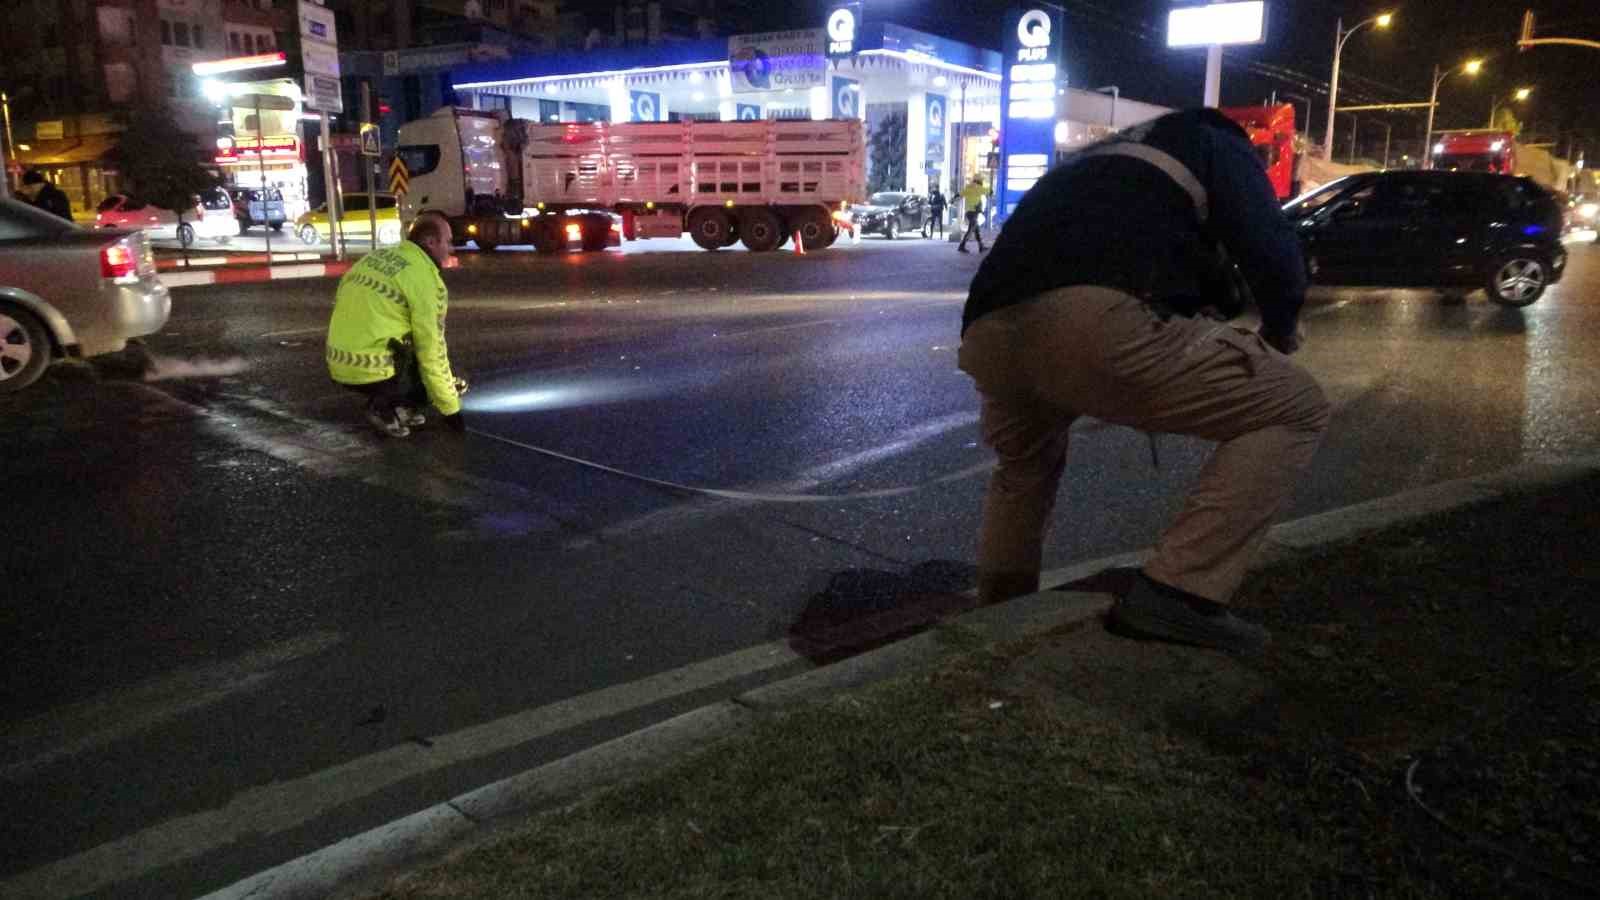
(1122, 42)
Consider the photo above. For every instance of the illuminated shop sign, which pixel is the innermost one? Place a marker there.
(844, 24)
(1032, 79)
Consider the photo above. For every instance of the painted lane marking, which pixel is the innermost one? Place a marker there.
(111, 717)
(269, 809)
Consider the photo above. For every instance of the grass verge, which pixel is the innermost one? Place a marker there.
(1424, 726)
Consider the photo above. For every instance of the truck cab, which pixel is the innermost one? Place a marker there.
(1476, 151)
(1271, 132)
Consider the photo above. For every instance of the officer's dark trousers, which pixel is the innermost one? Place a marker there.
(403, 388)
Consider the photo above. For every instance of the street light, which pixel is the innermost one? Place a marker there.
(1470, 67)
(1519, 95)
(1340, 35)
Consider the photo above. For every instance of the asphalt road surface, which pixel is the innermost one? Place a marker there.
(241, 626)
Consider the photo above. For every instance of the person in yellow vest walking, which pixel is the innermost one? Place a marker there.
(386, 337)
(973, 195)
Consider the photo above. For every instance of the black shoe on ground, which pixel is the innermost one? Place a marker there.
(962, 250)
(387, 424)
(1155, 610)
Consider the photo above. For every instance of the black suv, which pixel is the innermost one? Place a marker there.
(1451, 230)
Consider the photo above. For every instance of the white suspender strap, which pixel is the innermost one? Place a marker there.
(1162, 160)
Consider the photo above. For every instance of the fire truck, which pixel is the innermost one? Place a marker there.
(503, 181)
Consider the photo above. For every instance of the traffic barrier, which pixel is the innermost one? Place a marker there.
(228, 275)
(799, 245)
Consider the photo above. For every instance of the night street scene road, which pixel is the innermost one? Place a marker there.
(421, 420)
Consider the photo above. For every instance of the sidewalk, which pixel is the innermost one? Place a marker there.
(1424, 725)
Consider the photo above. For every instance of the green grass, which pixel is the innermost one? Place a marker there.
(1081, 765)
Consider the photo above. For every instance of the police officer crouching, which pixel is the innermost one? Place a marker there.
(386, 337)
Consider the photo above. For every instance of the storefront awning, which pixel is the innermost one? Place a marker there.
(67, 151)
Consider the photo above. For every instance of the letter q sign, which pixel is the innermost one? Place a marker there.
(1033, 29)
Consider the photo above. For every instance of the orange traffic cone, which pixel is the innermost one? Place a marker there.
(799, 246)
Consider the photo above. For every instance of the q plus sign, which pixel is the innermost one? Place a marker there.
(844, 22)
(1033, 35)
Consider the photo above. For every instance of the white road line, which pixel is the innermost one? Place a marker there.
(274, 808)
(772, 328)
(119, 714)
(273, 334)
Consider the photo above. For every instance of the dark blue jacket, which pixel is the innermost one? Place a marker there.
(1122, 223)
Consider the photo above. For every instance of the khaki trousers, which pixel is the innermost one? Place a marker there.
(1097, 352)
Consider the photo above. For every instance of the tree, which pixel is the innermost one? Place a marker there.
(888, 153)
(1506, 120)
(161, 163)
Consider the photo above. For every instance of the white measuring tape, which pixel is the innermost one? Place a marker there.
(743, 495)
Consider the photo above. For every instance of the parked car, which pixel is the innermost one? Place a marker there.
(314, 227)
(203, 221)
(252, 206)
(889, 213)
(1448, 230)
(67, 291)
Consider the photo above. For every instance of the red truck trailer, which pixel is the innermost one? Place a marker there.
(1271, 131)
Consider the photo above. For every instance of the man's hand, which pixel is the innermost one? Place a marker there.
(1284, 343)
(455, 422)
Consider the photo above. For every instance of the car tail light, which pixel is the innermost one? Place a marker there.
(574, 231)
(118, 262)
(617, 227)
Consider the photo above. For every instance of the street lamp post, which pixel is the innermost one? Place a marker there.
(1519, 95)
(1470, 67)
(1340, 35)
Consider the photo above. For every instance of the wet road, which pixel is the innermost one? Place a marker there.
(245, 627)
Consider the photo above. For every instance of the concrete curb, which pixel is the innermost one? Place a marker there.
(354, 863)
(231, 275)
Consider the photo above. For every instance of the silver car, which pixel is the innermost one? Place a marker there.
(69, 292)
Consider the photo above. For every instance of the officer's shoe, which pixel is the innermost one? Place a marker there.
(389, 425)
(1155, 610)
(409, 416)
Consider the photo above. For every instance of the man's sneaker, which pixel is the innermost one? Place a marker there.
(390, 426)
(409, 416)
(962, 250)
(1154, 610)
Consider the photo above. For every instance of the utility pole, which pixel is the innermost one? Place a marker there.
(367, 163)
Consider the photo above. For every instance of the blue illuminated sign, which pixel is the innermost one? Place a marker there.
(644, 106)
(747, 112)
(1030, 84)
(936, 107)
(846, 98)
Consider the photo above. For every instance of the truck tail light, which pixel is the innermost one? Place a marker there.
(118, 262)
(574, 231)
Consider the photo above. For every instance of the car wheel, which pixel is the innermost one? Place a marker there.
(186, 235)
(308, 235)
(1518, 280)
(891, 231)
(277, 226)
(24, 348)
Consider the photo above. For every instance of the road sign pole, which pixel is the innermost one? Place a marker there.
(330, 183)
(367, 163)
(266, 189)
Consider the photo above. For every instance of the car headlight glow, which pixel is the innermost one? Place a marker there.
(1589, 210)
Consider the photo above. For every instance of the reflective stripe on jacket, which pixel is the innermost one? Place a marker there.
(392, 294)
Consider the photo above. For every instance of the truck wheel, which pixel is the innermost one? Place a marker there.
(24, 348)
(760, 229)
(710, 228)
(816, 230)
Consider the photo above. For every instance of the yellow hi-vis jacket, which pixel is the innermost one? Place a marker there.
(391, 294)
(974, 194)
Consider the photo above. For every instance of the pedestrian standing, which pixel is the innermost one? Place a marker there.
(386, 336)
(1099, 300)
(936, 208)
(973, 196)
(41, 193)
